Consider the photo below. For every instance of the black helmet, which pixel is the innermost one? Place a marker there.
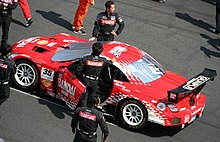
(97, 49)
(5, 49)
(93, 100)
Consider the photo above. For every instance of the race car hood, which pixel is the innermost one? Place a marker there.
(44, 47)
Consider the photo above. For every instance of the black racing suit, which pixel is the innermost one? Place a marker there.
(6, 7)
(217, 17)
(88, 118)
(7, 67)
(90, 68)
(105, 24)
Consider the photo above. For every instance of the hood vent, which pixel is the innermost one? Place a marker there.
(39, 49)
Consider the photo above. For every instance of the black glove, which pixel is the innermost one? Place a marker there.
(73, 130)
(1, 6)
(12, 6)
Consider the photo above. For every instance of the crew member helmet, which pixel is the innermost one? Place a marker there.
(97, 48)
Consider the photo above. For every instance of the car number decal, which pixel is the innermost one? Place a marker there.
(117, 51)
(47, 74)
(195, 82)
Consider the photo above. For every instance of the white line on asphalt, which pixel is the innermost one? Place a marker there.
(27, 94)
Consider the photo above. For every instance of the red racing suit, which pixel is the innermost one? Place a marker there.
(25, 8)
(81, 12)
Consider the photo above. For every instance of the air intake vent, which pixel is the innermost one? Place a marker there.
(39, 49)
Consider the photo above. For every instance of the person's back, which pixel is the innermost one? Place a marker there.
(89, 69)
(7, 67)
(94, 65)
(88, 119)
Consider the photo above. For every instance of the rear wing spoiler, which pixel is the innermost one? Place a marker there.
(192, 86)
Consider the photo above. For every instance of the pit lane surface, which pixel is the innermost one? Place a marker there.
(175, 33)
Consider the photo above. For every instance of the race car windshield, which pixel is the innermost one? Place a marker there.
(147, 69)
(73, 51)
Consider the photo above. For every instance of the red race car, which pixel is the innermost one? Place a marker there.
(135, 89)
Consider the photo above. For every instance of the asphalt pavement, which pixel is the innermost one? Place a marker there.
(177, 34)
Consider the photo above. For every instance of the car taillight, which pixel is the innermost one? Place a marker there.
(173, 107)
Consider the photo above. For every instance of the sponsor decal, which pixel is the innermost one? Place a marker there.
(42, 42)
(195, 82)
(64, 34)
(87, 115)
(112, 17)
(120, 84)
(193, 107)
(92, 63)
(47, 74)
(120, 19)
(24, 42)
(46, 83)
(64, 93)
(3, 66)
(117, 51)
(108, 22)
(104, 17)
(66, 86)
(182, 109)
(69, 41)
(193, 113)
(173, 96)
(51, 44)
(60, 75)
(186, 118)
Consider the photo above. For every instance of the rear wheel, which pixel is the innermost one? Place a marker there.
(133, 114)
(27, 76)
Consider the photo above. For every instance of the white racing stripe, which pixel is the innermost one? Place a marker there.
(33, 96)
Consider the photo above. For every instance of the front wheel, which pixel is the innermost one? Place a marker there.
(27, 76)
(133, 114)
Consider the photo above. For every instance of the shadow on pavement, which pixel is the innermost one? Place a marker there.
(152, 129)
(17, 22)
(194, 21)
(56, 106)
(214, 43)
(210, 53)
(55, 18)
(210, 1)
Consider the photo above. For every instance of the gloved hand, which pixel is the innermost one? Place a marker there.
(92, 2)
(92, 39)
(1, 6)
(12, 6)
(73, 130)
(114, 33)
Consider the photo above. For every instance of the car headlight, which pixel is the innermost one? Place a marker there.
(11, 56)
(161, 106)
(173, 108)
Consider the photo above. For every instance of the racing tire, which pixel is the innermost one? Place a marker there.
(132, 115)
(27, 77)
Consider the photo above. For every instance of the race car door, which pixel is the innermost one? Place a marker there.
(69, 87)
